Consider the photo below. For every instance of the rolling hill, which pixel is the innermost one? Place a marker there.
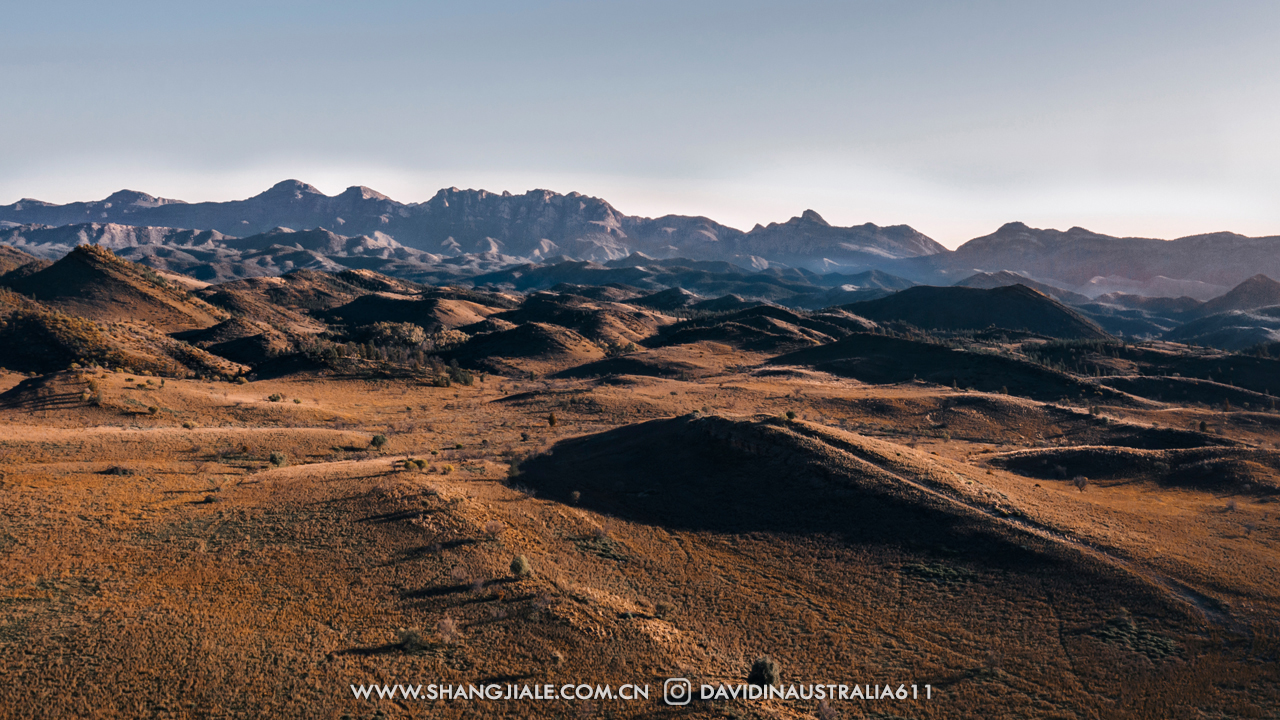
(1015, 307)
(92, 282)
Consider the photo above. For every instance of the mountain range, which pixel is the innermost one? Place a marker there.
(462, 233)
(537, 225)
(541, 240)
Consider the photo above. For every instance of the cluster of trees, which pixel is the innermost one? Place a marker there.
(398, 358)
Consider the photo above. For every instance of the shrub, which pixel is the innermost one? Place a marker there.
(242, 380)
(520, 566)
(514, 470)
(1081, 482)
(279, 459)
(764, 671)
(448, 629)
(791, 414)
(574, 497)
(459, 375)
(446, 469)
(1204, 427)
(551, 420)
(494, 528)
(188, 425)
(379, 441)
(420, 464)
(275, 397)
(297, 401)
(410, 640)
(152, 410)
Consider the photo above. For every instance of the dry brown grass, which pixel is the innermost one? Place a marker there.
(148, 598)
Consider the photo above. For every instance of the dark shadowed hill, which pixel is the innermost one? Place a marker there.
(880, 359)
(602, 321)
(1258, 291)
(301, 290)
(739, 475)
(1231, 330)
(764, 328)
(1004, 278)
(92, 282)
(533, 347)
(1016, 307)
(12, 258)
(749, 476)
(675, 298)
(429, 313)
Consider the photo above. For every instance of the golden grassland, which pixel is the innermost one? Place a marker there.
(191, 549)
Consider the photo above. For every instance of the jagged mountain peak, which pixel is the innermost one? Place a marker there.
(813, 217)
(360, 192)
(539, 224)
(136, 198)
(296, 188)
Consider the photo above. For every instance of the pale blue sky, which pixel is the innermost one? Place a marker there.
(1140, 118)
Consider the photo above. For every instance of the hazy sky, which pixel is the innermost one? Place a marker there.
(1137, 118)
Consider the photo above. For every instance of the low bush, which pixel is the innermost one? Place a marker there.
(764, 671)
(520, 566)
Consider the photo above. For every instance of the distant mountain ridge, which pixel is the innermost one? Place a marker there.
(1090, 263)
(461, 233)
(537, 225)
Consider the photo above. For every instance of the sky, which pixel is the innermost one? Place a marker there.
(1153, 119)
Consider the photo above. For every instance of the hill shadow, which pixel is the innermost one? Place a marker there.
(719, 475)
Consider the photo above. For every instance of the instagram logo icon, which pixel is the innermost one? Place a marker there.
(677, 691)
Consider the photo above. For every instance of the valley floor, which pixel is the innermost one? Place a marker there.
(233, 555)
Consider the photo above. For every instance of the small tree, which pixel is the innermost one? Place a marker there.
(378, 442)
(764, 671)
(520, 566)
(551, 420)
(1081, 482)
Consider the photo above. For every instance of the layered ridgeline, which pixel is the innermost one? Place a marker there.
(1093, 264)
(461, 233)
(537, 225)
(1136, 287)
